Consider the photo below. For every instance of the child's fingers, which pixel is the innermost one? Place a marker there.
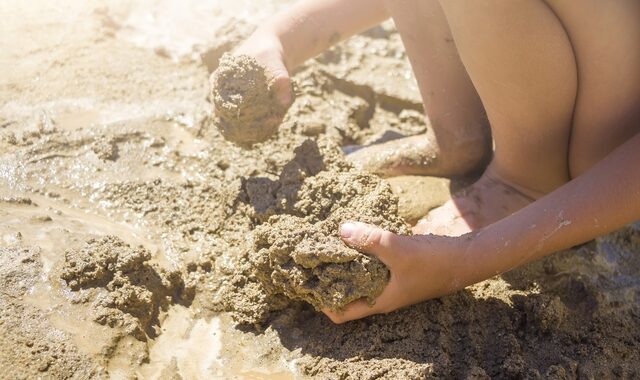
(282, 88)
(372, 240)
(386, 302)
(271, 58)
(280, 80)
(354, 310)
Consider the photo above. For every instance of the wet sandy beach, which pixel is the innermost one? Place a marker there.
(128, 223)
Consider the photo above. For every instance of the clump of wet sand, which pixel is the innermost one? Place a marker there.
(246, 108)
(297, 251)
(303, 257)
(129, 291)
(300, 261)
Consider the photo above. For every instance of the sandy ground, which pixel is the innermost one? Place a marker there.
(127, 221)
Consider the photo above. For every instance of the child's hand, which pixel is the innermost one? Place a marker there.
(267, 50)
(421, 266)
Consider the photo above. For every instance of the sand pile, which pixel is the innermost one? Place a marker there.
(30, 346)
(295, 253)
(244, 100)
(126, 292)
(302, 256)
(296, 250)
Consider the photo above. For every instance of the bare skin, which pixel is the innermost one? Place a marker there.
(560, 85)
(486, 201)
(461, 140)
(613, 116)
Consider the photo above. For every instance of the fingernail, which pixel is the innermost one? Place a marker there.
(347, 230)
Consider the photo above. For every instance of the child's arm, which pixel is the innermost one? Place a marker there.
(310, 27)
(603, 199)
(306, 29)
(600, 201)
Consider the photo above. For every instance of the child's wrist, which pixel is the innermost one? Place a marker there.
(474, 263)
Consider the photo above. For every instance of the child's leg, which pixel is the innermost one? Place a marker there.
(521, 61)
(606, 43)
(461, 140)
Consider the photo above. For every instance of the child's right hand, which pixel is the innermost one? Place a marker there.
(267, 50)
(421, 267)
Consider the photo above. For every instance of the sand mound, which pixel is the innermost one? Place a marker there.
(303, 257)
(297, 251)
(294, 252)
(130, 291)
(247, 110)
(303, 263)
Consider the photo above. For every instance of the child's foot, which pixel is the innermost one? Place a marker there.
(486, 201)
(404, 156)
(418, 155)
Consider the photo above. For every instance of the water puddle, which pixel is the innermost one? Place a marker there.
(193, 347)
(205, 348)
(34, 223)
(79, 119)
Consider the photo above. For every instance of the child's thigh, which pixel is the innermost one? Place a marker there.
(521, 62)
(606, 40)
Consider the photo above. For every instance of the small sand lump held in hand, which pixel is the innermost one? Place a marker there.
(300, 261)
(246, 108)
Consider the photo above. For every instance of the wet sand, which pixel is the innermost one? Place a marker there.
(110, 160)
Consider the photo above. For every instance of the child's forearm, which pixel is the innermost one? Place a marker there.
(311, 26)
(601, 200)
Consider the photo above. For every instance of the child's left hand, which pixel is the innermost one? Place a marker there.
(421, 266)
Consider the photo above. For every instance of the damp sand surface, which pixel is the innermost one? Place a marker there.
(136, 240)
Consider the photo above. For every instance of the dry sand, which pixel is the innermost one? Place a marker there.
(132, 234)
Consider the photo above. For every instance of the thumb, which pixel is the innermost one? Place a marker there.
(370, 239)
(281, 85)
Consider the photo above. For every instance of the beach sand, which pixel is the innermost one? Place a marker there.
(133, 236)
